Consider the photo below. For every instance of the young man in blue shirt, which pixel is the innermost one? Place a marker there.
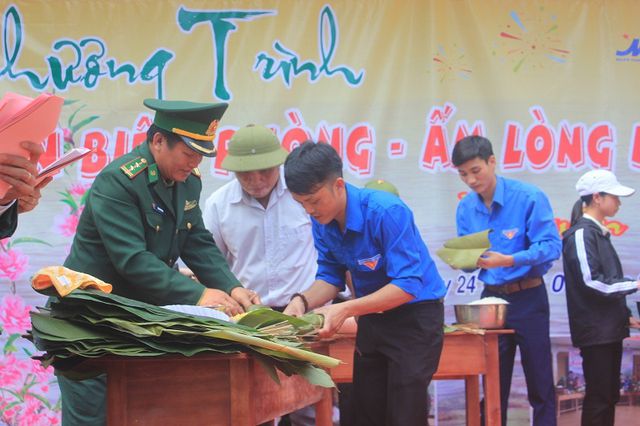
(524, 244)
(398, 290)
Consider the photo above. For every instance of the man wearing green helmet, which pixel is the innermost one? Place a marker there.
(142, 214)
(264, 234)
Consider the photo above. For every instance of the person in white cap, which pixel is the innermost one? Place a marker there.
(596, 288)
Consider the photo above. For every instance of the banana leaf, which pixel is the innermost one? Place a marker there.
(89, 323)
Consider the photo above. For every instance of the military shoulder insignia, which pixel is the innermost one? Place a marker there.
(134, 167)
(188, 205)
(196, 172)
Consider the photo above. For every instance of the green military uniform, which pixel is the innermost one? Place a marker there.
(133, 229)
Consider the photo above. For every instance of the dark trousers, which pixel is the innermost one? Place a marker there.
(396, 354)
(601, 368)
(83, 401)
(528, 315)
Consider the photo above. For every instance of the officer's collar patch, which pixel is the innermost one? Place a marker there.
(188, 205)
(134, 167)
(153, 173)
(196, 172)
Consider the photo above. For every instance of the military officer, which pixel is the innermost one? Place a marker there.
(142, 213)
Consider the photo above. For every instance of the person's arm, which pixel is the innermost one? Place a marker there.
(320, 293)
(388, 297)
(117, 216)
(544, 240)
(26, 203)
(203, 257)
(581, 249)
(19, 172)
(330, 278)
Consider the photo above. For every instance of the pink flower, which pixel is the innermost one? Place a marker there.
(78, 189)
(68, 224)
(11, 372)
(12, 264)
(14, 315)
(33, 413)
(67, 134)
(9, 414)
(41, 375)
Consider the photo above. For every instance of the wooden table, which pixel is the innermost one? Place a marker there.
(464, 356)
(206, 389)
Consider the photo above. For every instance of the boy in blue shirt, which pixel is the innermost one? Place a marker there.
(524, 244)
(398, 290)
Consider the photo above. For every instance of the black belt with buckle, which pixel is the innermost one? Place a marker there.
(516, 286)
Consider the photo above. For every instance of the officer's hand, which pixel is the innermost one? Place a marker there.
(218, 299)
(245, 297)
(27, 203)
(493, 259)
(295, 308)
(634, 322)
(20, 172)
(334, 317)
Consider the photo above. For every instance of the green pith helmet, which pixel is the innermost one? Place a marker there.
(253, 148)
(196, 123)
(382, 185)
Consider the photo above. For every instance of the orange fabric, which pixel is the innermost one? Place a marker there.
(66, 280)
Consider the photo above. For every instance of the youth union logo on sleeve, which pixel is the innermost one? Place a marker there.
(510, 233)
(370, 262)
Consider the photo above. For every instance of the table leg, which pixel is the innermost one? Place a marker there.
(472, 391)
(492, 382)
(324, 409)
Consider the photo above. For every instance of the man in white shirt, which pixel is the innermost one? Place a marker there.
(262, 231)
(264, 234)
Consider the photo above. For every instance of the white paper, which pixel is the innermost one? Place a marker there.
(199, 311)
(73, 155)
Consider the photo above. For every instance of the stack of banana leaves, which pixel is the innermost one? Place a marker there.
(90, 323)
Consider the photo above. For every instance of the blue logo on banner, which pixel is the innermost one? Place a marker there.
(631, 53)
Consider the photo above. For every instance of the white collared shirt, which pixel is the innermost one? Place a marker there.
(270, 250)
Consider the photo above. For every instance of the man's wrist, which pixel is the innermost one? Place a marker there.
(303, 298)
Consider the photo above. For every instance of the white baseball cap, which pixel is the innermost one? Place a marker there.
(596, 181)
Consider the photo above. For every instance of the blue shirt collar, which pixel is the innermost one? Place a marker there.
(353, 211)
(355, 220)
(498, 195)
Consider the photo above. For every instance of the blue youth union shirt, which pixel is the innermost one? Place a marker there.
(380, 245)
(522, 225)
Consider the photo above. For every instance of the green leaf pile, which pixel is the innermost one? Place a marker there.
(90, 323)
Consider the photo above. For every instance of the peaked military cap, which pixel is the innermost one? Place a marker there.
(196, 123)
(253, 148)
(382, 185)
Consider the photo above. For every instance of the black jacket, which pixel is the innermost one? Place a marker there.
(595, 286)
(9, 221)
